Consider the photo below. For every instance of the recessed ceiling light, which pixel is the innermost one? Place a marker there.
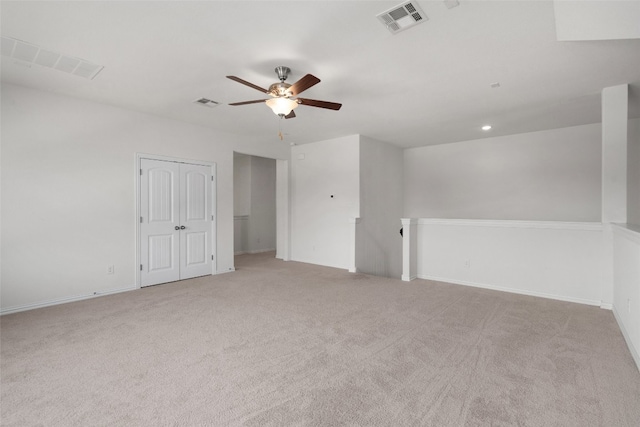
(486, 127)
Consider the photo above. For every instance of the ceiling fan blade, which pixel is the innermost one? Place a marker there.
(255, 101)
(320, 104)
(303, 84)
(291, 115)
(246, 83)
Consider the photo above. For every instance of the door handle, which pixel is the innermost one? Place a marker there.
(182, 227)
(177, 228)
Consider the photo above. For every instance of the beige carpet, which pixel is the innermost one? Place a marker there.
(290, 344)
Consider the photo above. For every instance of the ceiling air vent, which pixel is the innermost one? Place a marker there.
(27, 53)
(403, 16)
(206, 102)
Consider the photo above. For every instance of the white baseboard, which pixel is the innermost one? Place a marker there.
(58, 301)
(259, 251)
(513, 290)
(409, 278)
(627, 338)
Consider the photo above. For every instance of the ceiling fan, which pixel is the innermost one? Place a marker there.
(283, 95)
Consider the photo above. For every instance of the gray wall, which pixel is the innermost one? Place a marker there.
(633, 173)
(552, 175)
(262, 219)
(379, 247)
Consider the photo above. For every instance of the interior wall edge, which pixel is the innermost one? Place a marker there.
(635, 353)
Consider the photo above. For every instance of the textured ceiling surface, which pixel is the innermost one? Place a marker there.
(430, 84)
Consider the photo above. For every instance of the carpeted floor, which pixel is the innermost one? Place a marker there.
(290, 344)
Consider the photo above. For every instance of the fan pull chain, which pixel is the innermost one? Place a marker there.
(280, 129)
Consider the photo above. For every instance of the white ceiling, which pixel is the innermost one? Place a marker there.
(427, 85)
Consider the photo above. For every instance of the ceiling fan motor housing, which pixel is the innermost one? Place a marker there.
(282, 72)
(280, 89)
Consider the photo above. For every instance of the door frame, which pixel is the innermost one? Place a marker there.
(214, 205)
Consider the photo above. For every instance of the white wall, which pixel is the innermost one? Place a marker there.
(633, 173)
(557, 260)
(551, 175)
(319, 222)
(615, 123)
(68, 192)
(241, 184)
(626, 250)
(626, 285)
(379, 247)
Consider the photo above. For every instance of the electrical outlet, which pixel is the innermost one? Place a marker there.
(111, 269)
(467, 263)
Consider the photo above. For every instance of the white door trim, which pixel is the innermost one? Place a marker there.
(214, 206)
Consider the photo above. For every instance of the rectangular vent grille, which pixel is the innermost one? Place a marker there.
(207, 102)
(32, 54)
(403, 16)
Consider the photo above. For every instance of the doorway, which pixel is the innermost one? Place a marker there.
(176, 203)
(254, 191)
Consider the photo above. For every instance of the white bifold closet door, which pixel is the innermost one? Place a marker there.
(176, 221)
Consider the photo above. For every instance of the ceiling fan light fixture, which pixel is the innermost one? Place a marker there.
(282, 106)
(283, 95)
